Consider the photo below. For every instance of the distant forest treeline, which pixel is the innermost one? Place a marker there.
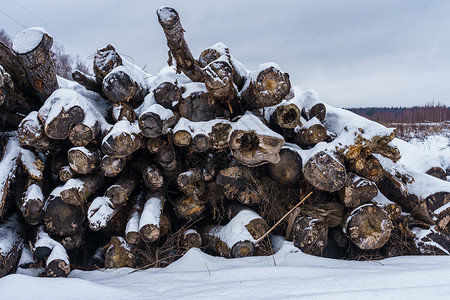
(415, 114)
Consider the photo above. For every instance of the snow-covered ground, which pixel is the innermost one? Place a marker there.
(289, 274)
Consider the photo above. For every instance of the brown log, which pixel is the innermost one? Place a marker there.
(119, 192)
(155, 145)
(11, 235)
(437, 172)
(123, 111)
(111, 167)
(431, 242)
(317, 110)
(167, 158)
(88, 81)
(8, 167)
(179, 50)
(118, 254)
(152, 220)
(288, 169)
(190, 238)
(32, 164)
(122, 140)
(58, 264)
(324, 172)
(310, 235)
(167, 94)
(61, 218)
(257, 226)
(286, 116)
(84, 160)
(105, 60)
(116, 225)
(370, 168)
(189, 207)
(200, 142)
(191, 182)
(42, 243)
(132, 228)
(357, 190)
(266, 86)
(75, 240)
(157, 120)
(76, 191)
(82, 134)
(153, 178)
(368, 227)
(437, 206)
(66, 173)
(36, 60)
(239, 184)
(31, 132)
(197, 107)
(31, 203)
(100, 212)
(253, 144)
(119, 86)
(219, 81)
(182, 138)
(310, 135)
(219, 135)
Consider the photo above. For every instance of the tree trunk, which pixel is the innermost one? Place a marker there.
(152, 220)
(100, 212)
(37, 62)
(31, 133)
(167, 94)
(155, 145)
(167, 158)
(311, 235)
(122, 140)
(32, 164)
(31, 202)
(197, 107)
(89, 82)
(8, 167)
(58, 264)
(111, 167)
(189, 207)
(76, 191)
(219, 82)
(66, 173)
(239, 184)
(437, 172)
(357, 190)
(11, 235)
(219, 135)
(190, 238)
(157, 120)
(368, 227)
(309, 136)
(119, 192)
(84, 160)
(324, 172)
(191, 182)
(119, 86)
(179, 50)
(287, 171)
(123, 111)
(132, 229)
(153, 178)
(82, 134)
(118, 254)
(105, 60)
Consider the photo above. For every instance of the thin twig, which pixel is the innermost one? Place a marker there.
(287, 214)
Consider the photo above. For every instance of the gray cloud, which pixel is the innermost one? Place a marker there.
(352, 52)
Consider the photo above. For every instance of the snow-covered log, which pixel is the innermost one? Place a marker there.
(119, 192)
(8, 166)
(157, 120)
(152, 175)
(357, 190)
(122, 140)
(11, 243)
(84, 160)
(310, 235)
(112, 166)
(118, 254)
(152, 223)
(76, 190)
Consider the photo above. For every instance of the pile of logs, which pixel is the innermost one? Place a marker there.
(122, 166)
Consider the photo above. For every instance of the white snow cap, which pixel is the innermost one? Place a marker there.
(27, 40)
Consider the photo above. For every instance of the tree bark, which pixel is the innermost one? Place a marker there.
(197, 107)
(84, 160)
(311, 235)
(82, 134)
(119, 86)
(111, 167)
(153, 178)
(31, 202)
(190, 238)
(239, 183)
(324, 172)
(309, 136)
(179, 50)
(357, 190)
(123, 111)
(89, 82)
(105, 60)
(66, 173)
(31, 133)
(155, 145)
(189, 207)
(157, 120)
(152, 219)
(118, 254)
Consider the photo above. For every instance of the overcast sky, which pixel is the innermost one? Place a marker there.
(352, 52)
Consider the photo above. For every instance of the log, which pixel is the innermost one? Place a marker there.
(197, 105)
(111, 167)
(122, 140)
(219, 81)
(357, 190)
(286, 116)
(191, 182)
(190, 238)
(61, 218)
(8, 167)
(76, 191)
(132, 229)
(310, 134)
(119, 192)
(287, 171)
(84, 160)
(437, 172)
(182, 138)
(75, 240)
(32, 164)
(157, 120)
(167, 158)
(32, 47)
(324, 172)
(155, 145)
(31, 203)
(266, 86)
(313, 107)
(153, 178)
(253, 144)
(239, 183)
(219, 135)
(170, 22)
(11, 235)
(82, 134)
(123, 111)
(88, 81)
(31, 132)
(105, 60)
(66, 173)
(257, 227)
(368, 227)
(189, 207)
(100, 212)
(200, 143)
(370, 168)
(310, 235)
(152, 221)
(167, 95)
(42, 244)
(118, 254)
(431, 242)
(120, 86)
